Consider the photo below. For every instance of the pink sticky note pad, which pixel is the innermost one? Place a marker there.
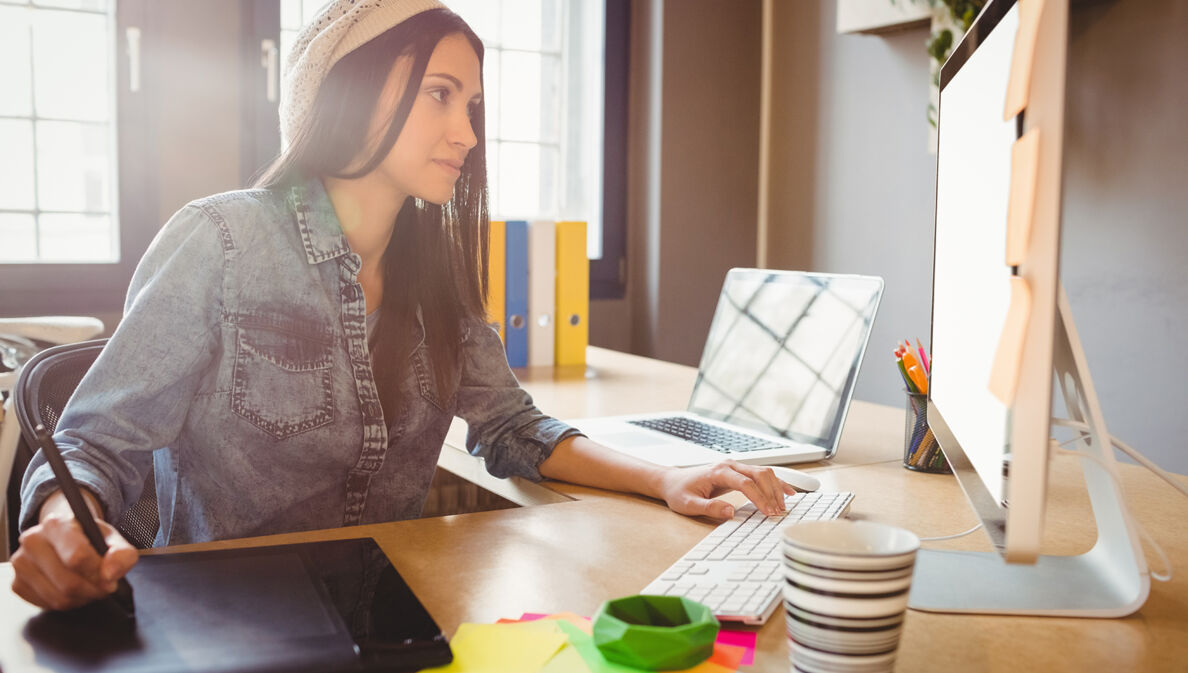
(743, 639)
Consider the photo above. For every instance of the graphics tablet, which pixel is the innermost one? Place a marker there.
(321, 606)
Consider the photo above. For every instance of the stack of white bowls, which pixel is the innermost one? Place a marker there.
(846, 588)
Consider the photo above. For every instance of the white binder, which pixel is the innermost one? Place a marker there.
(542, 292)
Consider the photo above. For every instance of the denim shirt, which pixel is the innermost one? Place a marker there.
(242, 359)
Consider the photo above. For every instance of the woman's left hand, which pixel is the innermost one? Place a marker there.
(691, 490)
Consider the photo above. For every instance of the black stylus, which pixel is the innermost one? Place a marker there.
(82, 513)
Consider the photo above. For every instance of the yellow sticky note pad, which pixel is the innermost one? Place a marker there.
(522, 647)
(1019, 84)
(1008, 357)
(1021, 204)
(568, 660)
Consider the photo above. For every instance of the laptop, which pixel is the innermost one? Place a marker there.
(776, 375)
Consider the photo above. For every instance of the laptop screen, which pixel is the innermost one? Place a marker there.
(783, 352)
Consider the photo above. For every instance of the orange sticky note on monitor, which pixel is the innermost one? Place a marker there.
(1021, 204)
(1008, 357)
(1019, 85)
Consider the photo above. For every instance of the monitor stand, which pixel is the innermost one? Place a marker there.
(1109, 580)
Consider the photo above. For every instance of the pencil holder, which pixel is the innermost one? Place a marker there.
(920, 449)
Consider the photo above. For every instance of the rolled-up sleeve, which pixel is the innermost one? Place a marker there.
(135, 396)
(505, 427)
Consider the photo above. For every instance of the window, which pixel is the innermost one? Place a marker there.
(58, 184)
(543, 77)
(94, 97)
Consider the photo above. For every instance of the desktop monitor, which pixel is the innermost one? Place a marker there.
(1002, 88)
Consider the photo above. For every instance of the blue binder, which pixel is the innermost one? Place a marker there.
(517, 293)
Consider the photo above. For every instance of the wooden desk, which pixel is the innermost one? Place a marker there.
(616, 383)
(576, 553)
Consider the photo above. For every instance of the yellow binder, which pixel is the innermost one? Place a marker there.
(497, 278)
(573, 294)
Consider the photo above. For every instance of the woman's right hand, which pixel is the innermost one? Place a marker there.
(56, 566)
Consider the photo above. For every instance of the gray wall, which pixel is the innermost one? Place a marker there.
(693, 173)
(1125, 224)
(199, 127)
(852, 179)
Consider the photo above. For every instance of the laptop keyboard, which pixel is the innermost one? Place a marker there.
(710, 436)
(737, 569)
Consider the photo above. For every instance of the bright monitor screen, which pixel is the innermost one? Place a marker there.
(971, 290)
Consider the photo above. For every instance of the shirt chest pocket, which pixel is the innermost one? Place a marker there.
(282, 381)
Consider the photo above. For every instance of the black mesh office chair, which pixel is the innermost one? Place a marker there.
(42, 390)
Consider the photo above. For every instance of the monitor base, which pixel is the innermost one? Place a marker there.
(1109, 580)
(983, 583)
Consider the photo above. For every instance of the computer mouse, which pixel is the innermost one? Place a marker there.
(801, 480)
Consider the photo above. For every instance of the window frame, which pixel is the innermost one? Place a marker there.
(96, 287)
(608, 274)
(259, 117)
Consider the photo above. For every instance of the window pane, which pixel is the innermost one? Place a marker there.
(531, 24)
(290, 14)
(550, 167)
(73, 166)
(529, 101)
(16, 164)
(310, 9)
(16, 85)
(72, 65)
(493, 201)
(528, 186)
(93, 5)
(287, 39)
(519, 190)
(18, 238)
(482, 16)
(491, 91)
(76, 238)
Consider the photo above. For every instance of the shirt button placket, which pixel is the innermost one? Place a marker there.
(375, 436)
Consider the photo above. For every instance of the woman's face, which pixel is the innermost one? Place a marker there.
(426, 159)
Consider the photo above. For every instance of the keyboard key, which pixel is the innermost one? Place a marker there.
(710, 436)
(732, 607)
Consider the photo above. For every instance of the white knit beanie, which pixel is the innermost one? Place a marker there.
(341, 27)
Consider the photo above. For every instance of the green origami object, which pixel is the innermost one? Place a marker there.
(655, 632)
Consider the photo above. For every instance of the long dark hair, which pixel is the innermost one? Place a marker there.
(437, 257)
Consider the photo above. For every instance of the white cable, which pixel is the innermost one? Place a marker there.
(1138, 457)
(950, 537)
(979, 526)
(1162, 577)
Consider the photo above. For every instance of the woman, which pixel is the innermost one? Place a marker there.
(301, 348)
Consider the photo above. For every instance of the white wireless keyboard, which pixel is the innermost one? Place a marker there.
(737, 570)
